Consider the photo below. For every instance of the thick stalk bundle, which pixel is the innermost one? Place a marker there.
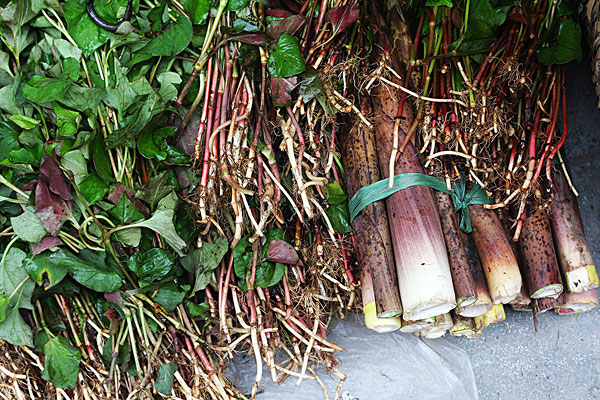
(422, 262)
(572, 248)
(379, 325)
(577, 303)
(539, 258)
(462, 278)
(371, 228)
(499, 263)
(484, 302)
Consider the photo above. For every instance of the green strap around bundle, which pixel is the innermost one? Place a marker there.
(460, 197)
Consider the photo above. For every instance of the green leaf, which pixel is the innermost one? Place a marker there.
(340, 218)
(83, 98)
(9, 139)
(96, 276)
(164, 381)
(335, 193)
(286, 58)
(173, 39)
(67, 121)
(151, 266)
(168, 80)
(93, 188)
(169, 296)
(101, 159)
(151, 143)
(197, 10)
(14, 330)
(126, 211)
(74, 161)
(566, 47)
(24, 121)
(484, 19)
(269, 273)
(4, 301)
(242, 257)
(40, 269)
(12, 275)
(310, 87)
(61, 362)
(434, 3)
(41, 89)
(28, 226)
(130, 237)
(31, 155)
(82, 29)
(196, 310)
(162, 222)
(203, 261)
(155, 189)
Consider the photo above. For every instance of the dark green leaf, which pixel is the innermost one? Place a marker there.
(82, 29)
(31, 155)
(173, 39)
(14, 330)
(335, 193)
(61, 362)
(164, 381)
(197, 10)
(286, 58)
(234, 5)
(151, 143)
(434, 3)
(9, 139)
(101, 159)
(203, 261)
(155, 189)
(484, 19)
(83, 98)
(242, 257)
(93, 188)
(40, 269)
(566, 47)
(151, 266)
(41, 89)
(196, 310)
(96, 276)
(340, 218)
(67, 121)
(12, 277)
(126, 211)
(310, 86)
(169, 296)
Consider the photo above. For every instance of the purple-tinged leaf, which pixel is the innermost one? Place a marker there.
(254, 38)
(50, 208)
(282, 252)
(287, 25)
(281, 89)
(115, 297)
(52, 174)
(344, 16)
(45, 244)
(278, 13)
(118, 191)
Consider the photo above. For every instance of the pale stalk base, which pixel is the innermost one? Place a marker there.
(380, 325)
(465, 301)
(496, 314)
(552, 291)
(427, 310)
(577, 308)
(433, 333)
(474, 310)
(506, 299)
(582, 279)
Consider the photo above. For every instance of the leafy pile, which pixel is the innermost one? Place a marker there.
(146, 184)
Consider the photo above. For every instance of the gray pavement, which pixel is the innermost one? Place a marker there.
(562, 360)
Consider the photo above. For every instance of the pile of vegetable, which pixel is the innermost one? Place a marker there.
(188, 180)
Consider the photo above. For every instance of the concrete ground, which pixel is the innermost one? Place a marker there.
(562, 360)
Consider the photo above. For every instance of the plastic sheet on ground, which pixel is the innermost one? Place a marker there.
(377, 366)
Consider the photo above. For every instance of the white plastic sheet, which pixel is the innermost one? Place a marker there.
(377, 366)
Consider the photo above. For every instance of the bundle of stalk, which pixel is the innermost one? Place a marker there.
(423, 270)
(123, 292)
(371, 230)
(491, 92)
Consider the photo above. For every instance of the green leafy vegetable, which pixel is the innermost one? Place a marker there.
(61, 362)
(203, 261)
(164, 381)
(95, 275)
(286, 58)
(566, 47)
(28, 226)
(151, 266)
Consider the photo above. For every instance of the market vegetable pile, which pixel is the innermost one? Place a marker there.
(186, 180)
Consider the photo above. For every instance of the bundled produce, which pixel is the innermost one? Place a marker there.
(175, 181)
